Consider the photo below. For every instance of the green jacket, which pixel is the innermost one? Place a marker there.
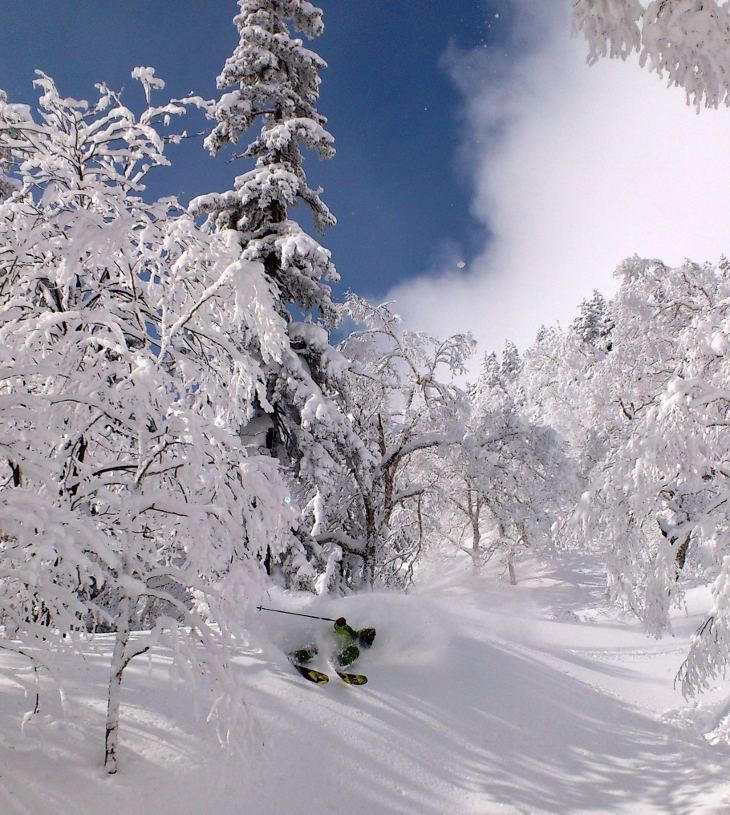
(347, 631)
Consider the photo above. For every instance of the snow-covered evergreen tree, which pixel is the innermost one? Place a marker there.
(278, 81)
(594, 324)
(7, 184)
(274, 80)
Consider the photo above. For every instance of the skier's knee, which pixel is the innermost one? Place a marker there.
(304, 654)
(348, 655)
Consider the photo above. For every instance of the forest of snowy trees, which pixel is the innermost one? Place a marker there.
(178, 431)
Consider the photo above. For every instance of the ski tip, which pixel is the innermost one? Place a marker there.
(313, 676)
(353, 679)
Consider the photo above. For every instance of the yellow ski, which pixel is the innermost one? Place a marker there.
(313, 676)
(353, 679)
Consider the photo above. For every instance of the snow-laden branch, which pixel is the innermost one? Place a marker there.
(686, 40)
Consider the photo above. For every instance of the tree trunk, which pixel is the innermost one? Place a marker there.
(370, 561)
(371, 545)
(476, 550)
(681, 554)
(511, 569)
(115, 686)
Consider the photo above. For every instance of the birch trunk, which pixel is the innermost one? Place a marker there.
(118, 665)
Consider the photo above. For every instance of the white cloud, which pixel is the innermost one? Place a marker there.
(576, 168)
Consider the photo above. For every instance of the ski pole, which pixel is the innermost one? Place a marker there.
(296, 614)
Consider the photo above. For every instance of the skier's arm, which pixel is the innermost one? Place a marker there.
(341, 627)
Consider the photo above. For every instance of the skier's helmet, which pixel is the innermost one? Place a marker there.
(340, 622)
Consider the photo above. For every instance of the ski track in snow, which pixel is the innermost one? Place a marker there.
(484, 699)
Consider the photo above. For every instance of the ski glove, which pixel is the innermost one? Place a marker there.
(365, 637)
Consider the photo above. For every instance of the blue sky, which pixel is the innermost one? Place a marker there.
(537, 172)
(396, 186)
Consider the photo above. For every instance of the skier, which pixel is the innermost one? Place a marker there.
(346, 651)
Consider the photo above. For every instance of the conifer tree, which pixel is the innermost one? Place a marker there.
(594, 324)
(273, 79)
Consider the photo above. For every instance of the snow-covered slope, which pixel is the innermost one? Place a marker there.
(483, 698)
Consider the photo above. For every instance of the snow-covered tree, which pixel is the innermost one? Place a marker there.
(7, 184)
(641, 385)
(698, 405)
(272, 79)
(126, 380)
(594, 380)
(594, 324)
(641, 499)
(686, 40)
(510, 482)
(376, 509)
(664, 496)
(562, 386)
